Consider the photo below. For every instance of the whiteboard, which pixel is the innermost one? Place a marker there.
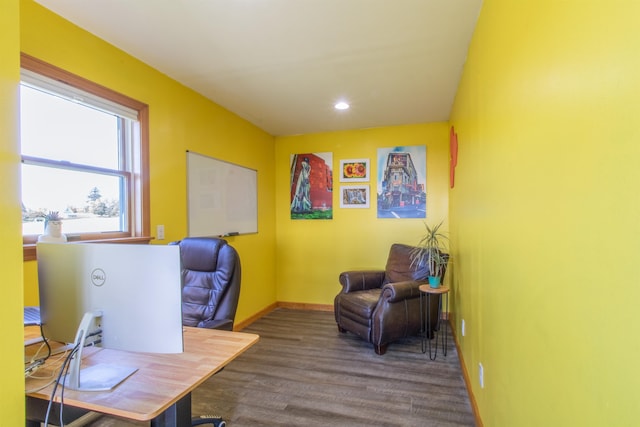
(222, 197)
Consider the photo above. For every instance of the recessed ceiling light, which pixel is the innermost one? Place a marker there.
(341, 105)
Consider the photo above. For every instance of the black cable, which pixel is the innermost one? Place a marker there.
(55, 387)
(63, 368)
(66, 373)
(46, 341)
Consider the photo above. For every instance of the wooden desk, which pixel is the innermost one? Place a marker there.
(160, 391)
(32, 335)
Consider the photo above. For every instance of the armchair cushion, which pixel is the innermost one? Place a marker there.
(362, 303)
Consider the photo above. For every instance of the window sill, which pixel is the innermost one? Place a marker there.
(29, 250)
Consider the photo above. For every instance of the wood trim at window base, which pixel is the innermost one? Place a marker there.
(30, 254)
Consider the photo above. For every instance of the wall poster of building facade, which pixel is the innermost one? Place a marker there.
(402, 183)
(311, 192)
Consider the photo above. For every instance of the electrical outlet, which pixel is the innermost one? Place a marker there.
(481, 375)
(462, 329)
(160, 232)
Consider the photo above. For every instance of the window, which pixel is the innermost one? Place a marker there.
(84, 155)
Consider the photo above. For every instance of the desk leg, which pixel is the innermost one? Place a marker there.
(177, 415)
(36, 412)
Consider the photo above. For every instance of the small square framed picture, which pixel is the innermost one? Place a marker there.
(354, 196)
(354, 170)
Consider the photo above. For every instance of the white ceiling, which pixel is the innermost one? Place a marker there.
(282, 64)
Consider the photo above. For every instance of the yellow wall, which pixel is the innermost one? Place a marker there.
(544, 217)
(312, 253)
(180, 120)
(11, 331)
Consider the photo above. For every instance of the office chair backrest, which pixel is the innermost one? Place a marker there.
(211, 282)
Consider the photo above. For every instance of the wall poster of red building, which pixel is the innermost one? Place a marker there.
(311, 191)
(402, 183)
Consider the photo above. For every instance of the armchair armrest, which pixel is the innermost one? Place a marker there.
(399, 291)
(361, 280)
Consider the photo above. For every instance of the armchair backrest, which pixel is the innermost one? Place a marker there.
(399, 268)
(211, 282)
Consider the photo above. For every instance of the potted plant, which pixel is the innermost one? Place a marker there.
(52, 228)
(430, 252)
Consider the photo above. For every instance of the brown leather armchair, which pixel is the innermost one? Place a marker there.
(382, 306)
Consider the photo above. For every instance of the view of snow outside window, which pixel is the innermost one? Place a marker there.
(57, 129)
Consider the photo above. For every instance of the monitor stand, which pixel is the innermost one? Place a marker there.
(100, 377)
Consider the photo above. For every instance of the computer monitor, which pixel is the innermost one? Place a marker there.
(132, 293)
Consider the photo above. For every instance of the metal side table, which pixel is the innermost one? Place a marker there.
(426, 292)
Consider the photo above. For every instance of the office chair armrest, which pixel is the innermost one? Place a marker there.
(361, 280)
(399, 291)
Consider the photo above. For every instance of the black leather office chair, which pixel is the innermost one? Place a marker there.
(211, 276)
(211, 282)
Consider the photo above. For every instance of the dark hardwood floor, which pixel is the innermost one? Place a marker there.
(303, 372)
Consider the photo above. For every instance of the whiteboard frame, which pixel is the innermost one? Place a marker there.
(213, 213)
